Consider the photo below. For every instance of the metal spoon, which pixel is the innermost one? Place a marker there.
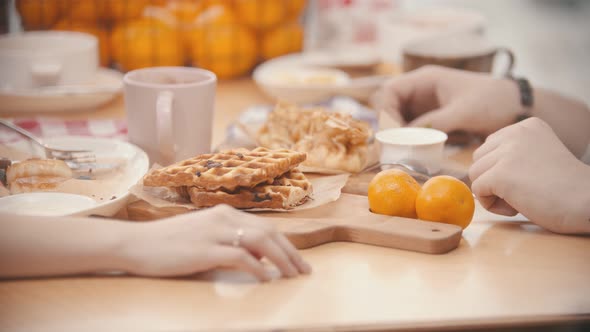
(415, 167)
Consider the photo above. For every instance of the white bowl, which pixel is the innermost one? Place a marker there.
(422, 145)
(289, 79)
(301, 78)
(46, 204)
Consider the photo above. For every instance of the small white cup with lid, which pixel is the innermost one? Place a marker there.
(422, 146)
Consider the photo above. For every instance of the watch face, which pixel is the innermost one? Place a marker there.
(526, 92)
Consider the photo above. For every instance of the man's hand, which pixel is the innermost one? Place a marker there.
(525, 168)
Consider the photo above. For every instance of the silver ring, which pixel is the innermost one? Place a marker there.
(238, 238)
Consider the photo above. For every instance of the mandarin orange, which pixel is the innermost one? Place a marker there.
(185, 11)
(119, 10)
(284, 39)
(103, 11)
(261, 14)
(445, 199)
(146, 43)
(393, 192)
(37, 14)
(227, 50)
(213, 14)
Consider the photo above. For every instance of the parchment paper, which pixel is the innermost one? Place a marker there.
(325, 190)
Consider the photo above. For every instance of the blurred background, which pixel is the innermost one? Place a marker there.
(551, 39)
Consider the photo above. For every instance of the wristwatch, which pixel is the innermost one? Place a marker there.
(526, 96)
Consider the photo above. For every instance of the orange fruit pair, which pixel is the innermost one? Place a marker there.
(441, 199)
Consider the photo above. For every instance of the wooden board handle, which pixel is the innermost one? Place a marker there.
(391, 232)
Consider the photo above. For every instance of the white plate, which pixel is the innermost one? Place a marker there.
(60, 102)
(111, 192)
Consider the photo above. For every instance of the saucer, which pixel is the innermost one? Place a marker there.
(58, 101)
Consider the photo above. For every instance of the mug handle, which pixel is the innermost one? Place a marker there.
(166, 148)
(511, 58)
(45, 73)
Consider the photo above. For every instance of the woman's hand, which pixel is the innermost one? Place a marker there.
(201, 241)
(526, 168)
(449, 99)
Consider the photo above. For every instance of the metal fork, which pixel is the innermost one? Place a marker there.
(75, 159)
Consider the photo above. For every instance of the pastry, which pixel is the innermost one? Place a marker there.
(330, 139)
(227, 170)
(38, 167)
(37, 175)
(35, 183)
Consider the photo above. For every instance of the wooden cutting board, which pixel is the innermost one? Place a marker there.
(347, 219)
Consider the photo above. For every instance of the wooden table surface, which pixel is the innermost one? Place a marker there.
(505, 272)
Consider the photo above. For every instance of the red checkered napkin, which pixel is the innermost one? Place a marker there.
(53, 128)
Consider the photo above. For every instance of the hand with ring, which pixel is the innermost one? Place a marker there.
(216, 237)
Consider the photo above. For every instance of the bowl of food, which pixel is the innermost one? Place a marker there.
(289, 79)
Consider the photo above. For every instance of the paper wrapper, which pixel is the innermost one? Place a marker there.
(247, 139)
(325, 190)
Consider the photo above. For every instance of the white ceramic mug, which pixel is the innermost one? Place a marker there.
(170, 111)
(45, 58)
(423, 146)
(459, 51)
(416, 23)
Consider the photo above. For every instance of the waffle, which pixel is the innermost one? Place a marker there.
(227, 170)
(285, 192)
(330, 139)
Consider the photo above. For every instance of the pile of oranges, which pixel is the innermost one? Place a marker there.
(228, 37)
(441, 199)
